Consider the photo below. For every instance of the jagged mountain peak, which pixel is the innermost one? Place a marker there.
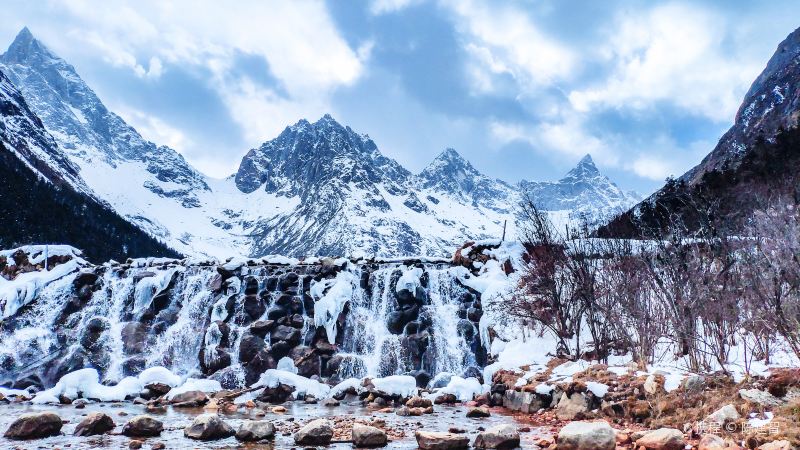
(448, 163)
(25, 46)
(584, 169)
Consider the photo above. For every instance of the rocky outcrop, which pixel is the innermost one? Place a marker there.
(34, 426)
(190, 399)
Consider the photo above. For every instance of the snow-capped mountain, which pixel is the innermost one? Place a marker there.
(752, 165)
(450, 174)
(317, 189)
(584, 191)
(349, 198)
(45, 200)
(771, 103)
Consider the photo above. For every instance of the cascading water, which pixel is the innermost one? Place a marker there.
(233, 323)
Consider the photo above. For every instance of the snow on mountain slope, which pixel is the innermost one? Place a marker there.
(584, 191)
(317, 189)
(351, 198)
(25, 136)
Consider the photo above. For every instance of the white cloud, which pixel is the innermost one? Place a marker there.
(154, 129)
(672, 53)
(557, 139)
(303, 49)
(378, 7)
(503, 39)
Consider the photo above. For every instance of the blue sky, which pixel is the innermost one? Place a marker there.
(522, 89)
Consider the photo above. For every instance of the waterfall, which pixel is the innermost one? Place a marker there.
(231, 324)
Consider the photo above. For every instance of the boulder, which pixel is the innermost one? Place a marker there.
(190, 399)
(255, 430)
(316, 432)
(446, 399)
(572, 407)
(651, 384)
(253, 306)
(249, 346)
(711, 442)
(285, 333)
(478, 412)
(432, 440)
(34, 426)
(208, 427)
(759, 397)
(142, 426)
(418, 402)
(134, 337)
(367, 436)
(776, 445)
(499, 437)
(260, 328)
(157, 389)
(331, 402)
(278, 394)
(95, 423)
(586, 436)
(726, 414)
(662, 439)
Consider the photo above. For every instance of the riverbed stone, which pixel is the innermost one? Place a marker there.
(34, 426)
(275, 395)
(368, 436)
(208, 427)
(190, 399)
(418, 402)
(434, 440)
(498, 437)
(95, 423)
(662, 439)
(586, 436)
(316, 432)
(255, 430)
(478, 412)
(143, 426)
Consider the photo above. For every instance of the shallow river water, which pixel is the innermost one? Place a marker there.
(402, 428)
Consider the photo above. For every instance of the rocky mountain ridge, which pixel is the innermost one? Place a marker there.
(317, 189)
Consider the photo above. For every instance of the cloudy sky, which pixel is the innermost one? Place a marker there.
(522, 89)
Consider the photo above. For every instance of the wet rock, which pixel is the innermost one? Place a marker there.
(446, 399)
(586, 436)
(397, 320)
(527, 402)
(158, 389)
(572, 407)
(284, 333)
(330, 402)
(158, 446)
(135, 444)
(95, 423)
(276, 312)
(498, 437)
(422, 377)
(368, 436)
(316, 432)
(277, 394)
(34, 426)
(255, 430)
(253, 306)
(134, 337)
(478, 412)
(249, 346)
(215, 360)
(418, 402)
(306, 360)
(208, 427)
(280, 349)
(190, 399)
(142, 426)
(79, 403)
(662, 439)
(405, 411)
(431, 440)
(260, 328)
